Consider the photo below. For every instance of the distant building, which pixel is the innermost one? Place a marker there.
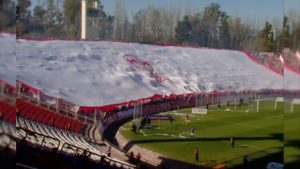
(89, 19)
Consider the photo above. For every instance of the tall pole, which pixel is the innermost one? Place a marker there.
(196, 100)
(83, 19)
(141, 110)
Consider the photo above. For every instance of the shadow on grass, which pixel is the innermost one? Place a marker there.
(257, 160)
(292, 143)
(296, 163)
(293, 164)
(274, 136)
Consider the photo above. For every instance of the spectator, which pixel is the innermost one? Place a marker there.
(138, 158)
(18, 112)
(68, 127)
(131, 157)
(84, 158)
(53, 122)
(232, 140)
(109, 151)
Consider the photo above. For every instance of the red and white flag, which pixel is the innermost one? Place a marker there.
(298, 55)
(281, 59)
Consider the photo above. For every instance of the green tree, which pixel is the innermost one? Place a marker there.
(50, 14)
(296, 37)
(38, 19)
(72, 18)
(23, 17)
(210, 19)
(224, 36)
(210, 28)
(285, 38)
(7, 15)
(139, 26)
(183, 31)
(267, 41)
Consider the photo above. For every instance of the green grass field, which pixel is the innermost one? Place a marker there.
(258, 135)
(292, 137)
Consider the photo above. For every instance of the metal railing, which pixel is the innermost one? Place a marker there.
(55, 109)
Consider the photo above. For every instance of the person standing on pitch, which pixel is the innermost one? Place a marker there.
(232, 140)
(192, 132)
(133, 128)
(196, 154)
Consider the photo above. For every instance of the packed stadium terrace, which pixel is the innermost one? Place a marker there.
(291, 60)
(270, 60)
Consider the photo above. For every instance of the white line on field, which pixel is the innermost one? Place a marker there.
(143, 133)
(181, 136)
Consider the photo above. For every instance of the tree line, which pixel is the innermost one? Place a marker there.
(7, 15)
(211, 27)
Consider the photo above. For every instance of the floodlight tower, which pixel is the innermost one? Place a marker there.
(89, 15)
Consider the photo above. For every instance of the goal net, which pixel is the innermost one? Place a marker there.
(230, 92)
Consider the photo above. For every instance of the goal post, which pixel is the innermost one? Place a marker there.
(230, 92)
(137, 113)
(292, 104)
(276, 100)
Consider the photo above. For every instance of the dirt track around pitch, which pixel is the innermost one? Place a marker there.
(148, 156)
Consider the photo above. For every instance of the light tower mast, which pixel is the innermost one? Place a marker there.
(89, 19)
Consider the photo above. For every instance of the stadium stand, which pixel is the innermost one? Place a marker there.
(274, 61)
(39, 127)
(7, 126)
(62, 129)
(8, 112)
(269, 59)
(291, 59)
(57, 133)
(47, 117)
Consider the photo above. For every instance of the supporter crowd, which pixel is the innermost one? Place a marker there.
(269, 59)
(291, 59)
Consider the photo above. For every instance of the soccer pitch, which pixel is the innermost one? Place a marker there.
(257, 134)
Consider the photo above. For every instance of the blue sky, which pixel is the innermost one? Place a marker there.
(254, 10)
